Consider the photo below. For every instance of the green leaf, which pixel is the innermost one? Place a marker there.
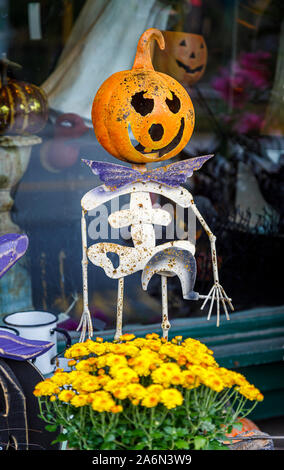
(110, 437)
(61, 438)
(51, 427)
(181, 432)
(139, 446)
(238, 426)
(199, 442)
(207, 425)
(169, 430)
(181, 444)
(216, 445)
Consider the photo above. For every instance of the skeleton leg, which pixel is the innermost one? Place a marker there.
(85, 322)
(165, 318)
(119, 309)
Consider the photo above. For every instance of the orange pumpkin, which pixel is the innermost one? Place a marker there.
(247, 426)
(184, 57)
(152, 106)
(23, 106)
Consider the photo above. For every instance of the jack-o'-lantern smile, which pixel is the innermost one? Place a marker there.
(141, 115)
(188, 69)
(155, 131)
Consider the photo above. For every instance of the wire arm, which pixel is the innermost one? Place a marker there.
(217, 292)
(86, 321)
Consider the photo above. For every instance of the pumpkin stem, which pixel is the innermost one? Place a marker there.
(143, 58)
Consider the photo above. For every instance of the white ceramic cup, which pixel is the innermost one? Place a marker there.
(39, 326)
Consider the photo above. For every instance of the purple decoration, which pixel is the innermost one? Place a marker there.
(12, 247)
(115, 176)
(21, 349)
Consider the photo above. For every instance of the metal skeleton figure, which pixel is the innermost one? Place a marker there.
(158, 112)
(169, 259)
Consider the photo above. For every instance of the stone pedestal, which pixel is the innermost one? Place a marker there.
(15, 286)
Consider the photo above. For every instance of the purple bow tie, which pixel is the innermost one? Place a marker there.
(115, 176)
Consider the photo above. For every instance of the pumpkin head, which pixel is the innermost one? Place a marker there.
(151, 106)
(184, 57)
(23, 106)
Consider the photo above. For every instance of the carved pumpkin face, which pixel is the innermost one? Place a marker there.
(184, 57)
(146, 105)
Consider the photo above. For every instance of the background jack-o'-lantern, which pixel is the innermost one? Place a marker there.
(184, 57)
(152, 106)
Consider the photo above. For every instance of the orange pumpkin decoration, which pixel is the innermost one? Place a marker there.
(184, 57)
(23, 106)
(247, 426)
(154, 106)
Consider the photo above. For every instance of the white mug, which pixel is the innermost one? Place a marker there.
(39, 326)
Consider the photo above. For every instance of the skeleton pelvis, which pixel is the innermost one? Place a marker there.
(131, 259)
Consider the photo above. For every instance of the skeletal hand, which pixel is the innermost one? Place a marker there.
(85, 325)
(217, 293)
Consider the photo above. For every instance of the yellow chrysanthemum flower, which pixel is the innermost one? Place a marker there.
(250, 392)
(152, 336)
(190, 380)
(77, 350)
(154, 389)
(123, 373)
(111, 360)
(102, 401)
(144, 362)
(105, 371)
(150, 400)
(171, 398)
(46, 388)
(118, 388)
(79, 400)
(136, 391)
(66, 395)
(116, 409)
(60, 378)
(167, 374)
(72, 363)
(84, 366)
(90, 384)
(170, 350)
(127, 337)
(95, 347)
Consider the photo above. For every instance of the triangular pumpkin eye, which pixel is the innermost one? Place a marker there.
(182, 43)
(202, 46)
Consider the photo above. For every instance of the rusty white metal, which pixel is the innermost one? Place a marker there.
(173, 261)
(126, 217)
(216, 290)
(131, 259)
(142, 234)
(85, 324)
(165, 317)
(102, 194)
(145, 255)
(119, 310)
